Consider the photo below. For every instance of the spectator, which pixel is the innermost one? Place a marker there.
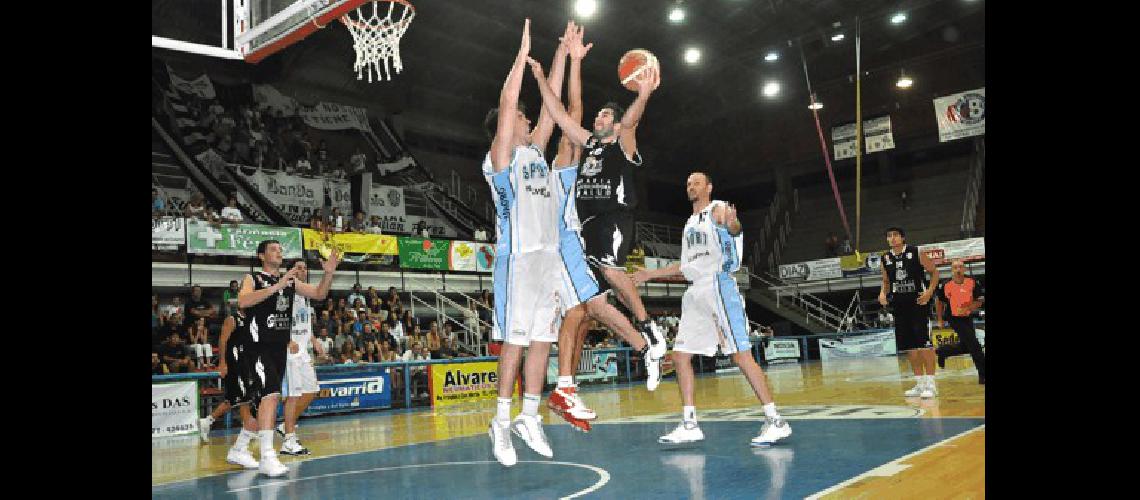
(174, 354)
(337, 222)
(419, 373)
(322, 157)
(174, 307)
(375, 226)
(156, 322)
(367, 340)
(845, 247)
(229, 298)
(345, 354)
(304, 167)
(342, 339)
(338, 173)
(384, 335)
(358, 161)
(316, 224)
(396, 329)
(448, 331)
(355, 295)
(325, 342)
(157, 204)
(231, 213)
(200, 344)
(831, 246)
(411, 327)
(433, 341)
(198, 307)
(196, 208)
(157, 367)
(358, 225)
(485, 313)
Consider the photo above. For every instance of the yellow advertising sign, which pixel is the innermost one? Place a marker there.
(381, 244)
(943, 336)
(464, 382)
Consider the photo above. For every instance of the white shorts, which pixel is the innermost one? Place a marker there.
(300, 376)
(527, 298)
(712, 315)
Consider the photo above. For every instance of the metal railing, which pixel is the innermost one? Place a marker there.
(467, 337)
(814, 308)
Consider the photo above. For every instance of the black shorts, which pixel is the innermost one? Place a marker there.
(265, 369)
(910, 323)
(609, 238)
(236, 381)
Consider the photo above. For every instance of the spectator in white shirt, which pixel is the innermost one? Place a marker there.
(231, 213)
(352, 297)
(374, 226)
(419, 373)
(337, 221)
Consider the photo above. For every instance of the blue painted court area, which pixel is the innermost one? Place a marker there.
(619, 460)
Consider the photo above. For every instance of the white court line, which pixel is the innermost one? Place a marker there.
(602, 473)
(893, 467)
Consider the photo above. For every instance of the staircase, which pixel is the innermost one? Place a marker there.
(804, 309)
(469, 335)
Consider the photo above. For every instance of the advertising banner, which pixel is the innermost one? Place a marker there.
(240, 240)
(812, 270)
(863, 346)
(376, 244)
(420, 253)
(173, 409)
(352, 391)
(463, 382)
(961, 115)
(782, 350)
(167, 233)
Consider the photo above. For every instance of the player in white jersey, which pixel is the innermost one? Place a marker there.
(300, 384)
(712, 310)
(526, 275)
(580, 286)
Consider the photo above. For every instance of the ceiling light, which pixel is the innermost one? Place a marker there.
(677, 15)
(692, 55)
(586, 8)
(771, 89)
(837, 37)
(815, 105)
(772, 56)
(898, 18)
(904, 82)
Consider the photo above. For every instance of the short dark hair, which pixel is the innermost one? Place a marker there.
(895, 229)
(708, 177)
(618, 110)
(491, 122)
(261, 247)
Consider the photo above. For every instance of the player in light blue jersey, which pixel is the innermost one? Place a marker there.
(712, 309)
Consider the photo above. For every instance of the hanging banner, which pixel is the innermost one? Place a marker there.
(961, 115)
(268, 98)
(167, 233)
(240, 240)
(812, 270)
(375, 244)
(843, 141)
(340, 192)
(296, 197)
(420, 253)
(463, 382)
(484, 257)
(967, 250)
(333, 116)
(200, 86)
(173, 409)
(877, 135)
(462, 256)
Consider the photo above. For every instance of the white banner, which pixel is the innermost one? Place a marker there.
(812, 270)
(173, 409)
(961, 115)
(968, 250)
(863, 346)
(167, 233)
(341, 194)
(877, 135)
(778, 350)
(297, 197)
(333, 116)
(462, 256)
(200, 86)
(270, 99)
(387, 202)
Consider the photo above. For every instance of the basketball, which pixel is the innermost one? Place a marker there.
(631, 65)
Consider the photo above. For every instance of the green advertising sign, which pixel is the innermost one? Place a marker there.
(240, 240)
(420, 253)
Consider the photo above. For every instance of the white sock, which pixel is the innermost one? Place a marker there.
(266, 439)
(565, 381)
(930, 380)
(770, 411)
(689, 413)
(504, 411)
(243, 439)
(921, 379)
(530, 404)
(291, 436)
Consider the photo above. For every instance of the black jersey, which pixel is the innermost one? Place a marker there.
(605, 179)
(271, 320)
(905, 271)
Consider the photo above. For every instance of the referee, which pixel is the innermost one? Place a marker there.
(964, 295)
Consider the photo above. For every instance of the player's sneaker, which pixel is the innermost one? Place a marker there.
(774, 429)
(293, 447)
(241, 457)
(566, 400)
(913, 392)
(204, 428)
(655, 338)
(652, 371)
(501, 444)
(686, 432)
(928, 390)
(271, 466)
(529, 428)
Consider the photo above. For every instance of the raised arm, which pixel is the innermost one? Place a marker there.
(508, 104)
(647, 82)
(541, 135)
(570, 128)
(725, 215)
(248, 297)
(320, 291)
(567, 153)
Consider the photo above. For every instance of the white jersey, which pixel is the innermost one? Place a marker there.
(568, 209)
(302, 329)
(525, 197)
(707, 249)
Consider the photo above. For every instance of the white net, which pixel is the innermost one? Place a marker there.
(376, 37)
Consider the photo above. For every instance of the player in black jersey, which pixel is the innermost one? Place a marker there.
(233, 343)
(268, 300)
(906, 290)
(604, 192)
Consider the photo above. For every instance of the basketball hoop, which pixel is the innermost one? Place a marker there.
(376, 39)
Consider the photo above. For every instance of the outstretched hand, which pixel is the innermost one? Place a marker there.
(573, 42)
(524, 45)
(536, 68)
(333, 260)
(648, 80)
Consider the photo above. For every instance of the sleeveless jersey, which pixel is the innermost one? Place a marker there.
(605, 179)
(302, 328)
(239, 339)
(905, 271)
(525, 197)
(568, 212)
(707, 248)
(270, 321)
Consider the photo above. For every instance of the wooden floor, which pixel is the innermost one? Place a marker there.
(860, 388)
